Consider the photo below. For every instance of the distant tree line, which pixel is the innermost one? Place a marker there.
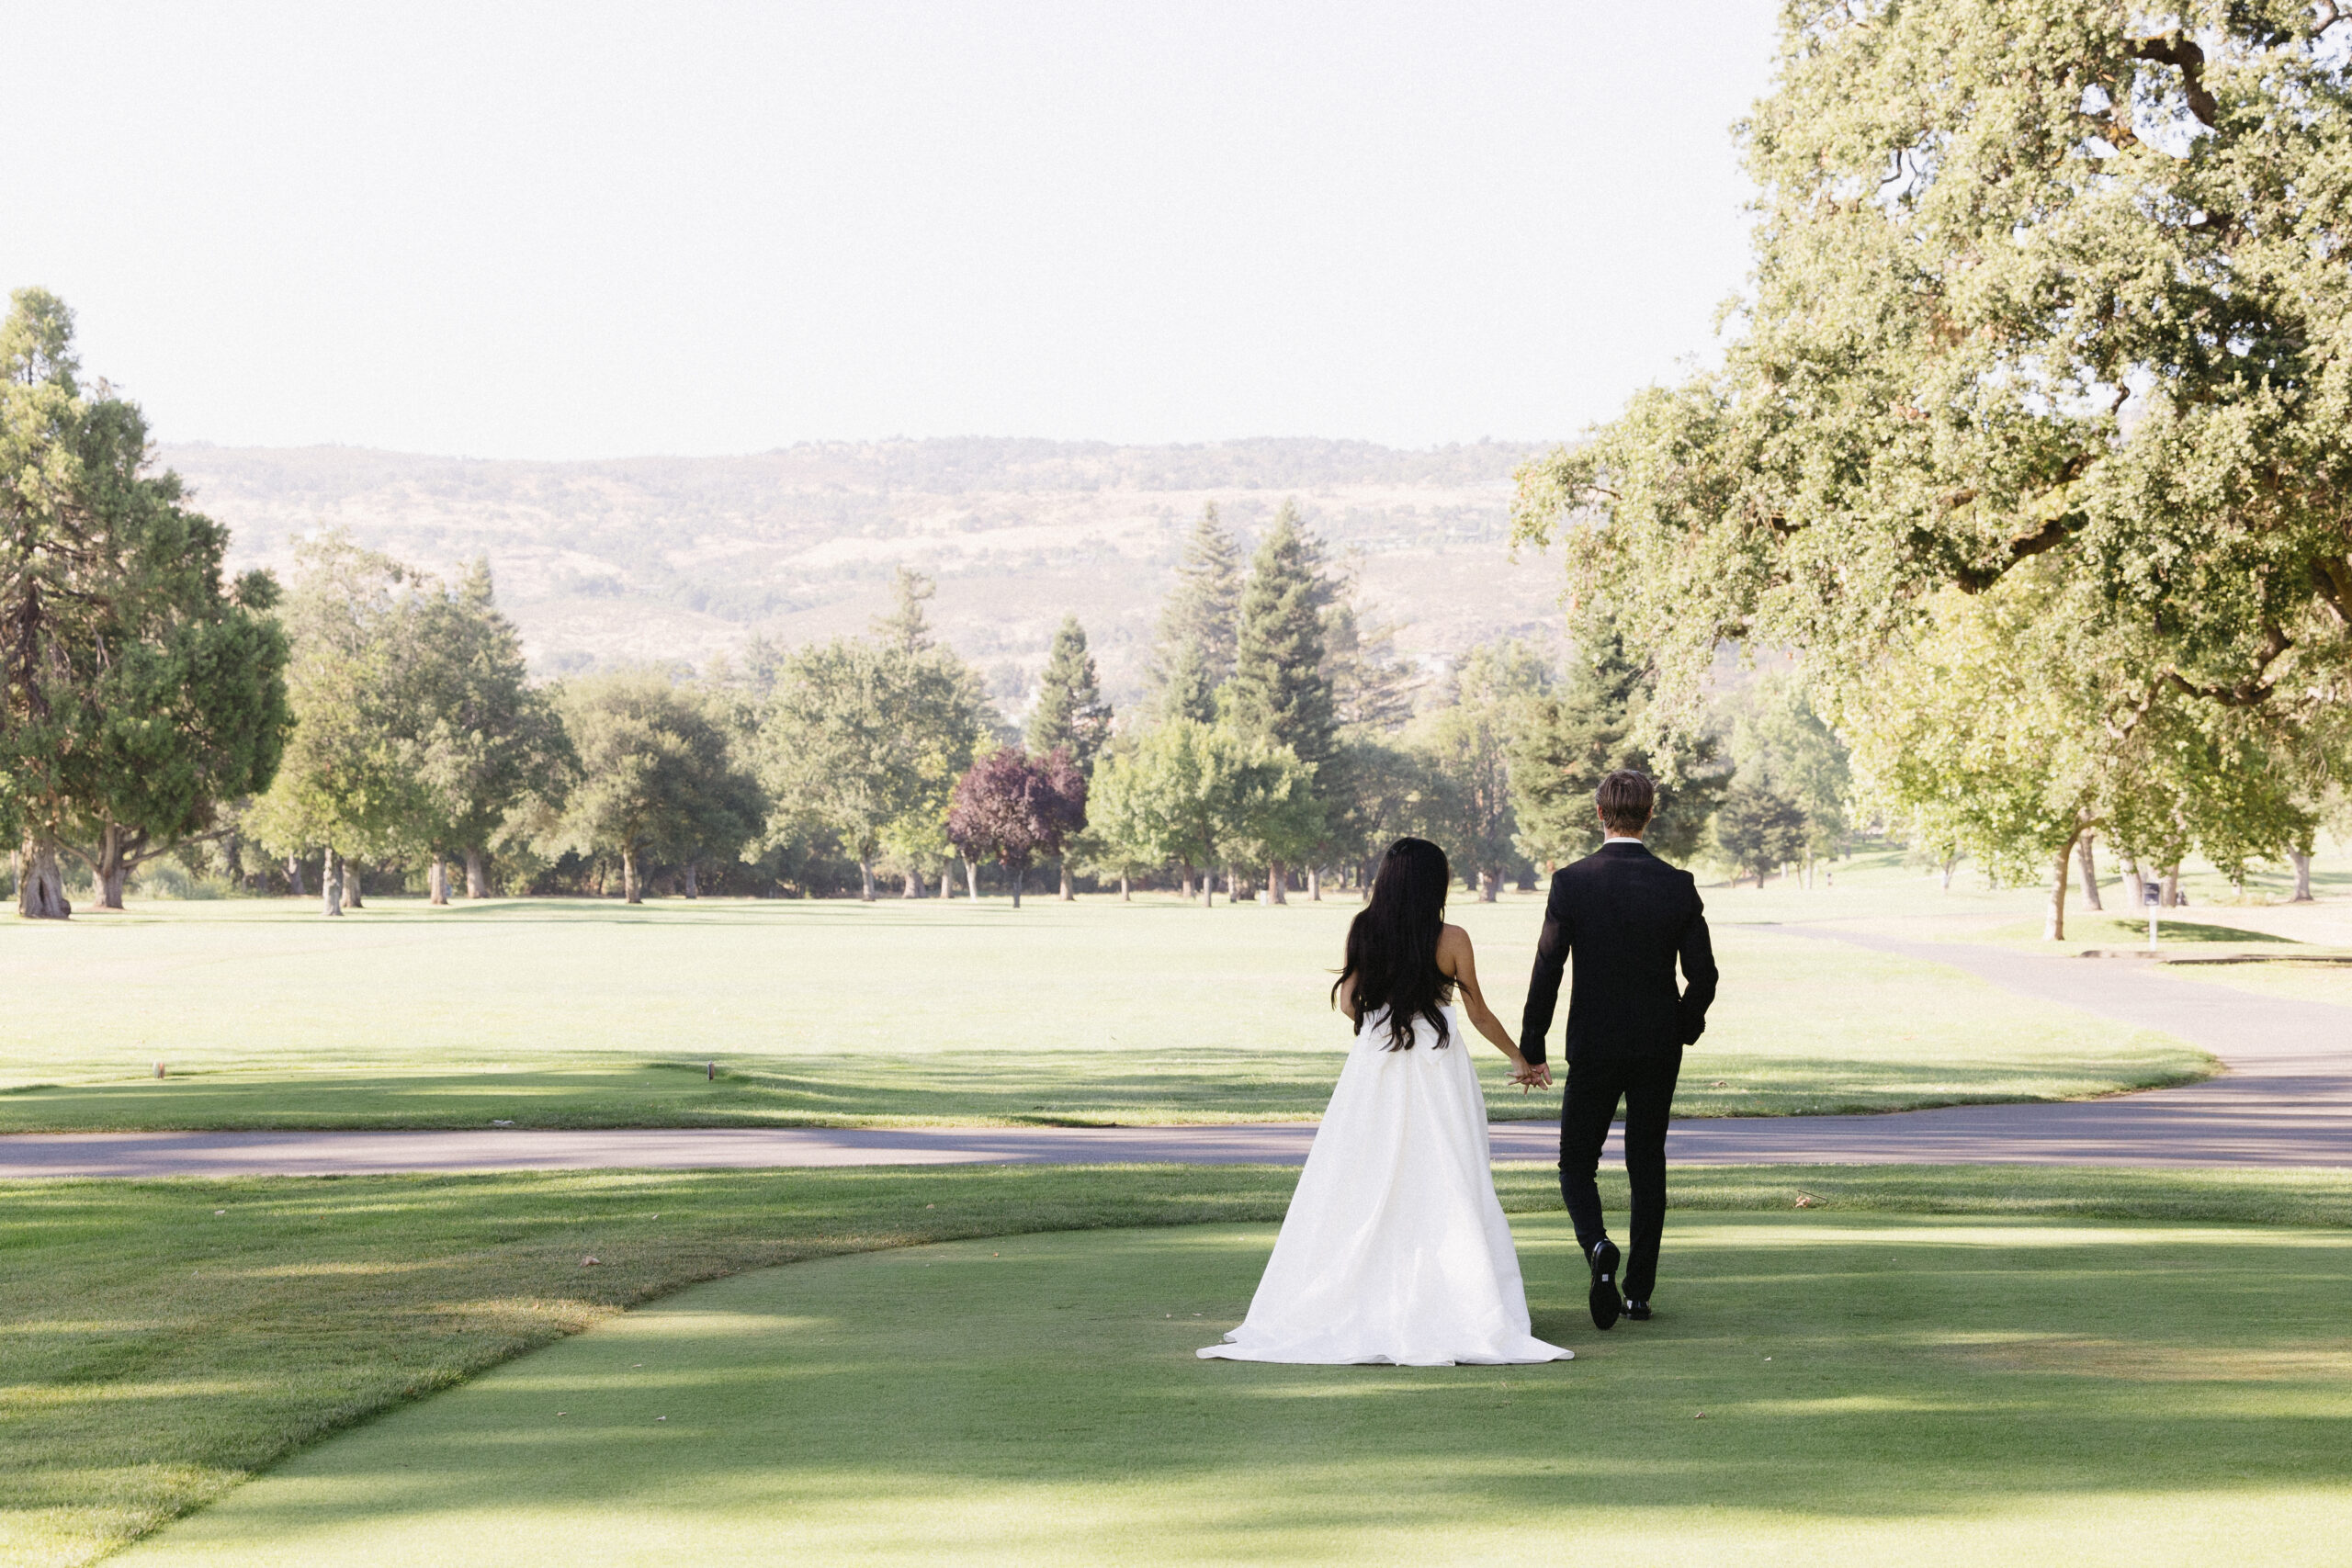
(373, 721)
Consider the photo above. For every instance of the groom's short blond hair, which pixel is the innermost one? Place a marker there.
(1626, 800)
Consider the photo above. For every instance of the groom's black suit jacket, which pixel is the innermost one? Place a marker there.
(1626, 917)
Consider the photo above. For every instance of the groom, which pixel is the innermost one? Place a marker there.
(1626, 916)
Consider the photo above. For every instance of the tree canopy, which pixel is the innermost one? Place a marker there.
(1011, 809)
(138, 690)
(2050, 308)
(657, 775)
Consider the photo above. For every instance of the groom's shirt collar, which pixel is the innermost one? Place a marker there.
(1620, 839)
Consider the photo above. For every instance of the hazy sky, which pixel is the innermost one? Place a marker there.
(574, 230)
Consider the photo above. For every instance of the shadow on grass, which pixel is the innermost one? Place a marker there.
(2111, 931)
(163, 1338)
(1876, 1371)
(1032, 1088)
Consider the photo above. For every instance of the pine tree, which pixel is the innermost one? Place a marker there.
(1071, 714)
(1281, 688)
(1578, 735)
(1197, 627)
(905, 627)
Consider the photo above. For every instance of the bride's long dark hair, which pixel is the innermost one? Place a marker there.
(1392, 943)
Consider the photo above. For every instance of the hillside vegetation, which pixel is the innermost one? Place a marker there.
(615, 561)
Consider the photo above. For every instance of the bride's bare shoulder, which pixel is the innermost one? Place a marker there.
(1453, 941)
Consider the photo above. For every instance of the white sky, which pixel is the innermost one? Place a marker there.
(581, 230)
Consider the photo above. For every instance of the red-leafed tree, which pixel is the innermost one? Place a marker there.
(1011, 808)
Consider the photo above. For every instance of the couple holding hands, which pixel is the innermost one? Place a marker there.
(1395, 1249)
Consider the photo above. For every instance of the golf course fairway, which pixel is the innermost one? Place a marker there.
(1816, 1387)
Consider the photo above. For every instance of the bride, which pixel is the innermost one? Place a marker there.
(1395, 1249)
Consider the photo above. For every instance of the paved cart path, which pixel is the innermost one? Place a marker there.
(2286, 1101)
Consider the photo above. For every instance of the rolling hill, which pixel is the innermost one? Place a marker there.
(618, 561)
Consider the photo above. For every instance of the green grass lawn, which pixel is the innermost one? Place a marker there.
(2103, 930)
(578, 1013)
(162, 1341)
(2330, 983)
(1831, 1384)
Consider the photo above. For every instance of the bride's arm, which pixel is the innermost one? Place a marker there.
(1461, 966)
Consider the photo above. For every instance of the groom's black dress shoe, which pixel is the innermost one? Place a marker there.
(1638, 1311)
(1606, 1303)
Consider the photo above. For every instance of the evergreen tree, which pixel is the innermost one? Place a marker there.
(1590, 728)
(1371, 688)
(1757, 829)
(1071, 714)
(1198, 626)
(1281, 688)
(138, 690)
(1778, 740)
(905, 627)
(1188, 687)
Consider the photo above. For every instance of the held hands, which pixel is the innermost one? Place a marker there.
(1527, 1075)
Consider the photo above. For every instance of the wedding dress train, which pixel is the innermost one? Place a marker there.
(1395, 1249)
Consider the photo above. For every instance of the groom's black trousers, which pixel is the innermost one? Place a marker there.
(1596, 1084)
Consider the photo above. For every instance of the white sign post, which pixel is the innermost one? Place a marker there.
(2148, 894)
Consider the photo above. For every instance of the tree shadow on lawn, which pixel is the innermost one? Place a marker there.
(1034, 1088)
(2126, 931)
(1850, 1368)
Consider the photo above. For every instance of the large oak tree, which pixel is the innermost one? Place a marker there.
(2052, 306)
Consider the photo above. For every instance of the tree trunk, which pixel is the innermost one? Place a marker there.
(865, 874)
(351, 884)
(1314, 885)
(972, 878)
(1275, 892)
(2054, 929)
(112, 867)
(1126, 894)
(2170, 897)
(1489, 884)
(911, 884)
(436, 880)
(693, 879)
(294, 876)
(1069, 888)
(40, 886)
(330, 883)
(2085, 853)
(1020, 876)
(1951, 864)
(477, 878)
(2302, 862)
(632, 894)
(1187, 884)
(2134, 885)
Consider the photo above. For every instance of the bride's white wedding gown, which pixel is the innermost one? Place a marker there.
(1395, 1249)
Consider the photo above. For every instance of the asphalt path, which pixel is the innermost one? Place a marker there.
(2286, 1099)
